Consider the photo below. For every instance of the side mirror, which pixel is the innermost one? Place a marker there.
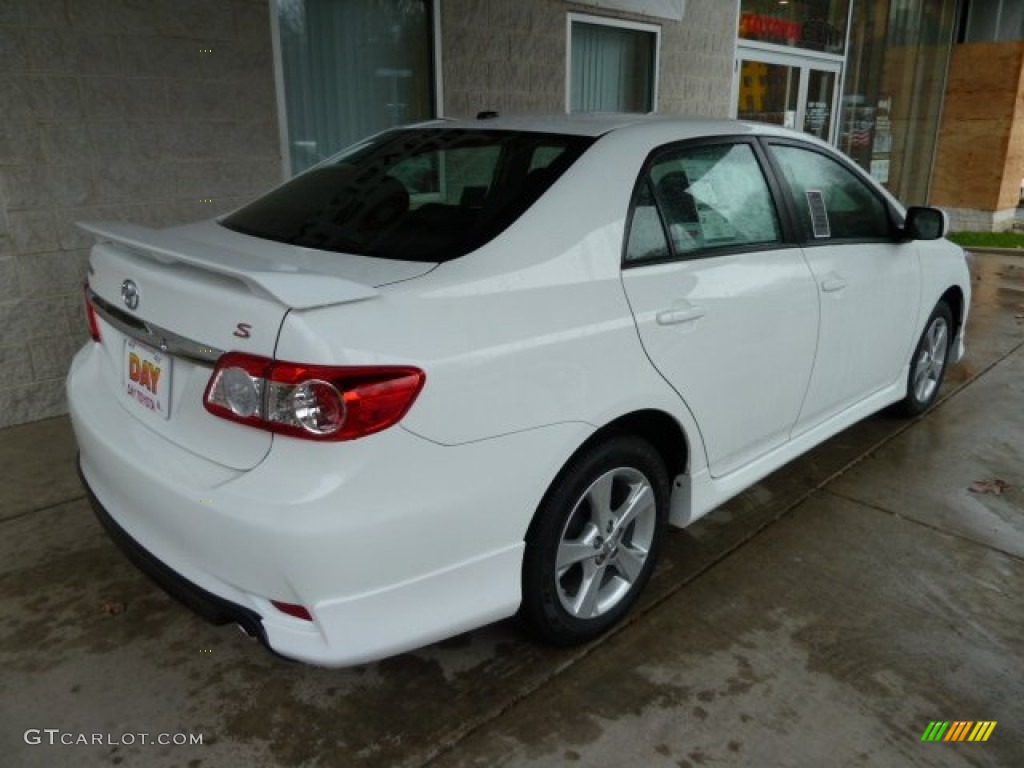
(925, 223)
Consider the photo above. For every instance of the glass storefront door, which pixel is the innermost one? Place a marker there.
(793, 91)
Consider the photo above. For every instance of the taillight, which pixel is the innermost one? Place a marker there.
(316, 402)
(90, 314)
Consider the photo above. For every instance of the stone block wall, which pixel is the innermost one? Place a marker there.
(697, 60)
(510, 56)
(975, 220)
(154, 111)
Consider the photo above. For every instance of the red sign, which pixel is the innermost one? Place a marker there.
(755, 26)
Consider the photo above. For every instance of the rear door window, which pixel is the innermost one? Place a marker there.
(710, 197)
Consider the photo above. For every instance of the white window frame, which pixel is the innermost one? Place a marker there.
(282, 115)
(636, 26)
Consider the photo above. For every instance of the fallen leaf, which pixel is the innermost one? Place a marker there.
(995, 486)
(113, 607)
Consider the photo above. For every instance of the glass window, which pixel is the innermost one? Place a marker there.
(612, 68)
(428, 194)
(768, 93)
(352, 69)
(710, 197)
(993, 20)
(818, 108)
(817, 25)
(647, 241)
(893, 91)
(831, 201)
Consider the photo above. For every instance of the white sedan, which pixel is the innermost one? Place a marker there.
(471, 369)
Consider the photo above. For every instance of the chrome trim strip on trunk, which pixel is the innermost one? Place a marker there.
(154, 335)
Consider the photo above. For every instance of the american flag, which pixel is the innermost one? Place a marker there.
(860, 137)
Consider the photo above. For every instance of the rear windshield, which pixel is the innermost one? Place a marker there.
(429, 194)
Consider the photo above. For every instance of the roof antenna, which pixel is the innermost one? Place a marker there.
(487, 114)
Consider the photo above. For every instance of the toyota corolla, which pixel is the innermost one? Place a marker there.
(472, 369)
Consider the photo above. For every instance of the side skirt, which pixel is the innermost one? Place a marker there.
(693, 496)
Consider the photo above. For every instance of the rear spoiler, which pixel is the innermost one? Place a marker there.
(291, 286)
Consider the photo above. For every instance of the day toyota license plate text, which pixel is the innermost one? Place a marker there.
(147, 377)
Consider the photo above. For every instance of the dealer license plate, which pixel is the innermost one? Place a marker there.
(147, 377)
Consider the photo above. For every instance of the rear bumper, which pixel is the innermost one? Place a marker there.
(391, 542)
(209, 606)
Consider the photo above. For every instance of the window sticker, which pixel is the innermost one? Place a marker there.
(819, 216)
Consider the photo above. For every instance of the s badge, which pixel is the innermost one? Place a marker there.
(242, 330)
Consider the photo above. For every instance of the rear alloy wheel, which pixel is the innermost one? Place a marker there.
(928, 365)
(594, 542)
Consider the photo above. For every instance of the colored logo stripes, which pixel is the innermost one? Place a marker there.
(958, 730)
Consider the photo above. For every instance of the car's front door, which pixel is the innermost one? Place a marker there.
(725, 309)
(868, 283)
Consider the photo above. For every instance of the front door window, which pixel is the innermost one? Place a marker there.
(830, 201)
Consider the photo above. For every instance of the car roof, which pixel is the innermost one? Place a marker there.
(600, 123)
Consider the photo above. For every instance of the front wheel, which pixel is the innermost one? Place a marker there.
(928, 365)
(594, 542)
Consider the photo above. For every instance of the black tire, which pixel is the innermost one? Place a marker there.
(557, 607)
(928, 363)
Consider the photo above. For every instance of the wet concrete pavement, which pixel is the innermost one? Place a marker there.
(823, 617)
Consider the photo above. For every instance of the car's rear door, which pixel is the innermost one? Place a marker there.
(725, 308)
(868, 283)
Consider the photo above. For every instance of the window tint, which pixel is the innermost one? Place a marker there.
(428, 194)
(646, 234)
(448, 176)
(714, 196)
(831, 202)
(545, 155)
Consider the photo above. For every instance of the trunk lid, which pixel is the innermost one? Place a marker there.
(171, 301)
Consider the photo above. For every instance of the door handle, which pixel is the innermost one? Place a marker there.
(833, 283)
(680, 315)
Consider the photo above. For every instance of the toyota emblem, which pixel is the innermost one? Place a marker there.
(130, 294)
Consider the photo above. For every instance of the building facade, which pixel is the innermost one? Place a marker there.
(165, 111)
(978, 174)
